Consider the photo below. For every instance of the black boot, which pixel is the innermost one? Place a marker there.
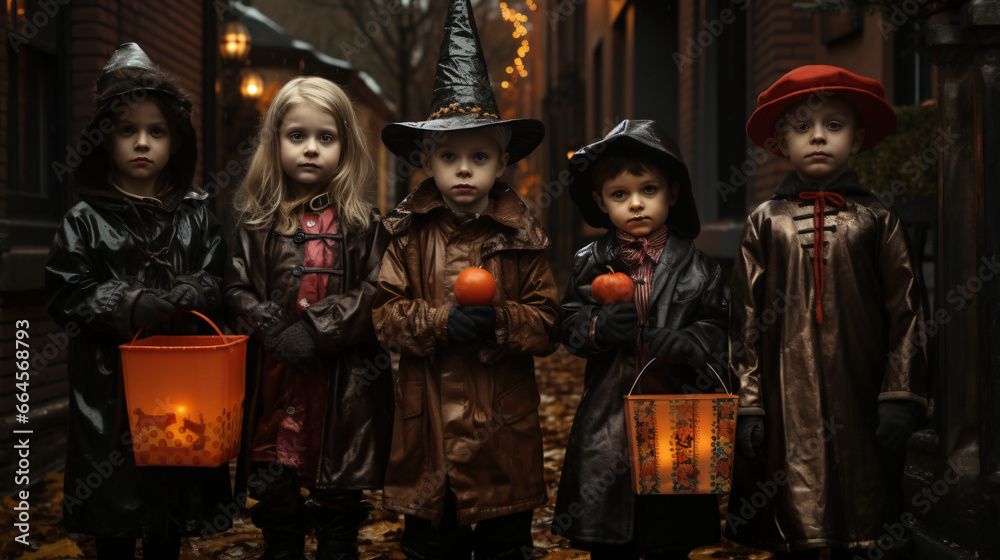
(284, 542)
(336, 516)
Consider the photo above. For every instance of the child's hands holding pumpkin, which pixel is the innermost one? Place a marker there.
(469, 323)
(616, 323)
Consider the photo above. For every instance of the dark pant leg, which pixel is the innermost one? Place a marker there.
(165, 547)
(446, 541)
(280, 514)
(504, 538)
(115, 548)
(336, 516)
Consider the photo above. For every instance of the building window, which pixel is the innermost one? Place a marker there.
(36, 110)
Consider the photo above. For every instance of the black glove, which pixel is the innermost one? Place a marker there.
(297, 344)
(464, 327)
(265, 319)
(896, 421)
(484, 317)
(616, 322)
(186, 297)
(668, 343)
(149, 310)
(750, 436)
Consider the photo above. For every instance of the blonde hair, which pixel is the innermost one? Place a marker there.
(264, 198)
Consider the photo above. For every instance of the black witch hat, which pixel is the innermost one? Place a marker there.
(463, 97)
(635, 139)
(128, 78)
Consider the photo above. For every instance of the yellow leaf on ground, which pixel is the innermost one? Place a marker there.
(64, 548)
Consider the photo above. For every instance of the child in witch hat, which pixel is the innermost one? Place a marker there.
(833, 379)
(137, 250)
(467, 445)
(634, 183)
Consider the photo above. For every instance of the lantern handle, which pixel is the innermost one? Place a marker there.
(209, 321)
(709, 366)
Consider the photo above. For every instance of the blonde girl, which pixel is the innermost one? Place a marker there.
(300, 279)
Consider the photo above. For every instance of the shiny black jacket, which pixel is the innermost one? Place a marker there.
(596, 503)
(106, 253)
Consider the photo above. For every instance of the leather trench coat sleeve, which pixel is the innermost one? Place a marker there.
(595, 502)
(818, 385)
(98, 266)
(466, 417)
(261, 286)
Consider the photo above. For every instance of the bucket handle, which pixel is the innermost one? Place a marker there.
(709, 366)
(189, 311)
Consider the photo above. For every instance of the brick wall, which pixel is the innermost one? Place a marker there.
(172, 39)
(171, 34)
(780, 39)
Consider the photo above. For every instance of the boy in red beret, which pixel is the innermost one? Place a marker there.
(826, 332)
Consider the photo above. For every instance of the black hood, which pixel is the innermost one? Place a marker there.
(642, 138)
(129, 78)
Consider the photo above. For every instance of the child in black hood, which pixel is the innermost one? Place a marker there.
(139, 248)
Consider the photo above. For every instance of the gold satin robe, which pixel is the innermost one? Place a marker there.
(824, 481)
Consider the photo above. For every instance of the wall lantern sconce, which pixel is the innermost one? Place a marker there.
(234, 43)
(252, 85)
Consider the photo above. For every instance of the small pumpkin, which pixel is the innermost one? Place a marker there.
(475, 286)
(613, 287)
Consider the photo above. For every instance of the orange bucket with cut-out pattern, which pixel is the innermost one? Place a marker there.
(184, 395)
(681, 444)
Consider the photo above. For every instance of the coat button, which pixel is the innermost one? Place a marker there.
(290, 410)
(299, 237)
(298, 270)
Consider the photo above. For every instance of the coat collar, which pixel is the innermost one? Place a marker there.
(792, 185)
(113, 198)
(521, 229)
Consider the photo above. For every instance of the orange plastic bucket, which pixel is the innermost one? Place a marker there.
(185, 396)
(681, 444)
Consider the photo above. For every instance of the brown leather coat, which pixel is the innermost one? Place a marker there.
(466, 418)
(262, 279)
(824, 481)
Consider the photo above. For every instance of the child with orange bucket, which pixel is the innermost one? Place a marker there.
(634, 183)
(300, 280)
(833, 381)
(137, 249)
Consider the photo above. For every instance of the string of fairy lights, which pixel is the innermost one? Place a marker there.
(518, 20)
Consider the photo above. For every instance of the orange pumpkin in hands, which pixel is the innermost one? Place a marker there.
(475, 286)
(613, 287)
